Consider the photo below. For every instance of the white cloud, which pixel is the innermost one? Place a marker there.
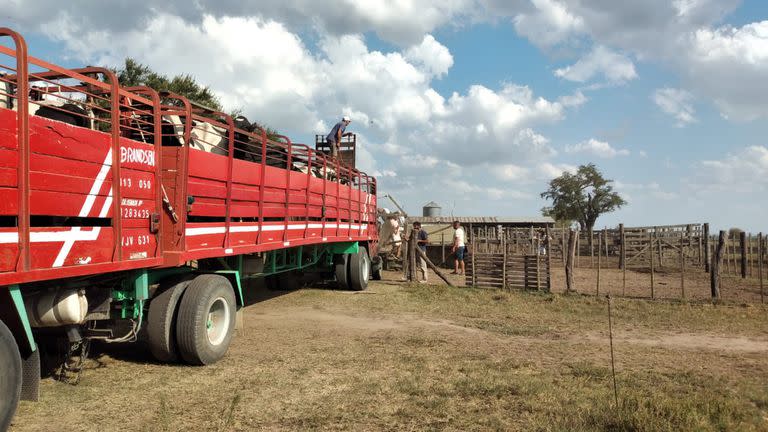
(677, 103)
(549, 24)
(596, 148)
(744, 172)
(726, 64)
(432, 55)
(510, 172)
(614, 67)
(549, 170)
(403, 22)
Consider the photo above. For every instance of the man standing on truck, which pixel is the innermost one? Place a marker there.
(459, 247)
(338, 131)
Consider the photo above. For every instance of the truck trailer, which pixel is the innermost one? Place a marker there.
(129, 214)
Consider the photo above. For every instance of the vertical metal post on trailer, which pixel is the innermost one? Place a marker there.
(230, 171)
(288, 165)
(22, 135)
(117, 217)
(158, 138)
(309, 192)
(262, 185)
(323, 209)
(338, 197)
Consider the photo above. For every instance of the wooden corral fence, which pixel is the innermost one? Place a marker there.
(635, 246)
(508, 258)
(675, 258)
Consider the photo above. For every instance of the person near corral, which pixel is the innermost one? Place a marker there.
(422, 240)
(338, 131)
(397, 241)
(459, 247)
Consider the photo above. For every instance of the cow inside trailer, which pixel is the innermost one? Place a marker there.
(142, 211)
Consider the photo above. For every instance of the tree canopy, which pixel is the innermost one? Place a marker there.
(582, 197)
(133, 73)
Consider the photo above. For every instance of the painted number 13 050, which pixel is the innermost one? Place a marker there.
(142, 184)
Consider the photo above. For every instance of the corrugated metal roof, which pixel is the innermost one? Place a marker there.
(484, 220)
(432, 204)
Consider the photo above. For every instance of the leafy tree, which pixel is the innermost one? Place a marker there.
(582, 197)
(134, 73)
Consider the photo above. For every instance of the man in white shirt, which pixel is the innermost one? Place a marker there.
(459, 247)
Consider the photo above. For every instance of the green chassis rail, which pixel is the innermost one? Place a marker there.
(133, 293)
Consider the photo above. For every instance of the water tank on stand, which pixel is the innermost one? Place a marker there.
(432, 209)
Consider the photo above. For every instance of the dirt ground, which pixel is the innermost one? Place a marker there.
(427, 357)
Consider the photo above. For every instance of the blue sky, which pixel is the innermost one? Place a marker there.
(664, 96)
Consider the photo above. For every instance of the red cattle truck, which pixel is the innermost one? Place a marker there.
(128, 214)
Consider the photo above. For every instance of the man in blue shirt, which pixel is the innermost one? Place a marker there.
(338, 131)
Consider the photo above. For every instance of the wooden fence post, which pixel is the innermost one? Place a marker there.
(470, 242)
(591, 243)
(404, 246)
(622, 248)
(504, 263)
(412, 259)
(599, 263)
(650, 258)
(682, 266)
(760, 262)
(548, 248)
(442, 243)
(578, 248)
(569, 280)
(717, 260)
(743, 244)
(658, 243)
(707, 261)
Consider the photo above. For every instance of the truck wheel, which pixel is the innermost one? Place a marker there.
(161, 320)
(10, 376)
(376, 264)
(341, 264)
(206, 320)
(359, 270)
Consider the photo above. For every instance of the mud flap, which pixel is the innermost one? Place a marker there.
(30, 377)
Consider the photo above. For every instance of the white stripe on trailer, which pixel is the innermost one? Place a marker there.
(199, 231)
(86, 210)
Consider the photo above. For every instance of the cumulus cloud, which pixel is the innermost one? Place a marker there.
(613, 67)
(548, 170)
(403, 22)
(596, 148)
(745, 171)
(550, 23)
(431, 55)
(677, 103)
(726, 63)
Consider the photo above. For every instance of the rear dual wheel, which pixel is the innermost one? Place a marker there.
(10, 376)
(206, 320)
(359, 270)
(161, 320)
(353, 270)
(192, 320)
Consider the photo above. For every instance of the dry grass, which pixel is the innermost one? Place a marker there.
(403, 357)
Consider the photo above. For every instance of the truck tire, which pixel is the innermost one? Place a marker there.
(10, 377)
(206, 320)
(161, 320)
(359, 270)
(341, 267)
